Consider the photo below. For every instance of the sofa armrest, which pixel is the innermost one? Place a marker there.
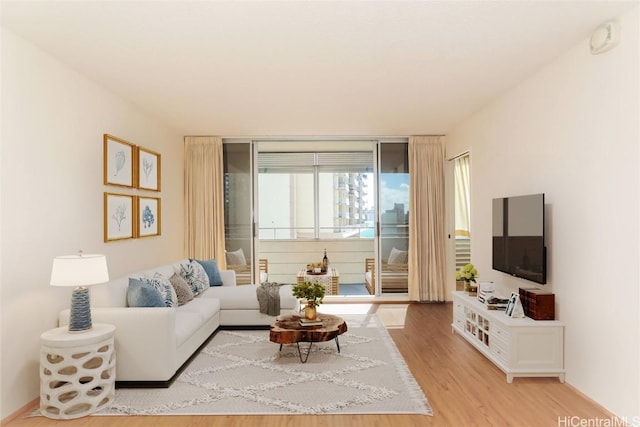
(370, 275)
(228, 277)
(263, 265)
(145, 340)
(369, 265)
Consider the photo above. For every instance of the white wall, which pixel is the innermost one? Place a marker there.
(52, 189)
(571, 131)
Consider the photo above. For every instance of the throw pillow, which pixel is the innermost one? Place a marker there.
(236, 258)
(182, 288)
(163, 285)
(195, 276)
(212, 270)
(140, 294)
(398, 257)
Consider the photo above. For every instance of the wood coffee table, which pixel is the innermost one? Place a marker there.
(288, 330)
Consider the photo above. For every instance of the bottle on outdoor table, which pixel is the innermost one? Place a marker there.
(325, 261)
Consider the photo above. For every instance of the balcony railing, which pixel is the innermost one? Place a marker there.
(306, 233)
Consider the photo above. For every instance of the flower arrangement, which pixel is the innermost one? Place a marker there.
(468, 273)
(312, 292)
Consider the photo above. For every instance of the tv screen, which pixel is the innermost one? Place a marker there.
(518, 237)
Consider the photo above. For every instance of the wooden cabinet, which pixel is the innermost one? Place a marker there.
(519, 347)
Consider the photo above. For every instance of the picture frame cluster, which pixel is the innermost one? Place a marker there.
(130, 216)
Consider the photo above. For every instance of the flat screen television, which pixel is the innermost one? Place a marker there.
(518, 237)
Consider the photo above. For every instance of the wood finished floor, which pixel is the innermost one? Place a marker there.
(462, 386)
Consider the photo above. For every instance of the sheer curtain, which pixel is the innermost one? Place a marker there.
(463, 223)
(427, 262)
(204, 199)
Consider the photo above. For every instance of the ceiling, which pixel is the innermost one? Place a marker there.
(305, 68)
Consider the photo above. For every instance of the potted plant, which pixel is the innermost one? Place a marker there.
(313, 293)
(468, 274)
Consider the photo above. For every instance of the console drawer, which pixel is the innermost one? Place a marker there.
(499, 331)
(499, 349)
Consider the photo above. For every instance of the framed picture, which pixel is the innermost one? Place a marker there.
(119, 162)
(148, 169)
(514, 306)
(119, 217)
(149, 216)
(510, 305)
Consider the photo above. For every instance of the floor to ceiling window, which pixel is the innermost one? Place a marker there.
(311, 202)
(315, 195)
(394, 217)
(462, 210)
(302, 198)
(238, 208)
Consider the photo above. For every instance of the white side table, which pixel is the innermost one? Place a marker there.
(77, 371)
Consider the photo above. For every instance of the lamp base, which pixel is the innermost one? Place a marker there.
(80, 319)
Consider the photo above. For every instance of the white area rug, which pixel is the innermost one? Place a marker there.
(242, 372)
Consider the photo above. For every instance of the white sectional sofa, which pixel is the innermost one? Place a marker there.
(153, 343)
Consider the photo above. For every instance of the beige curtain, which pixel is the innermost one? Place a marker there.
(463, 223)
(204, 199)
(427, 263)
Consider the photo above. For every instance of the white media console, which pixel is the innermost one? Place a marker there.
(519, 347)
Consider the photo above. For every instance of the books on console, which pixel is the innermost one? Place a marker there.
(496, 303)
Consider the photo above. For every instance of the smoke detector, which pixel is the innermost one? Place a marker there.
(605, 37)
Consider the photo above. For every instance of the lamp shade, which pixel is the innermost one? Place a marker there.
(79, 270)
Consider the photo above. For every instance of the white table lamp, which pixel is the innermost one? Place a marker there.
(80, 270)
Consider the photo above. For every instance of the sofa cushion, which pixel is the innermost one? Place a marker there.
(163, 285)
(245, 297)
(236, 257)
(195, 276)
(206, 308)
(398, 257)
(237, 297)
(140, 294)
(182, 288)
(212, 270)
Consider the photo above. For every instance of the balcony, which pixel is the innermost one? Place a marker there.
(347, 250)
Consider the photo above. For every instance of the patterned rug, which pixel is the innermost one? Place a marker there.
(242, 372)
